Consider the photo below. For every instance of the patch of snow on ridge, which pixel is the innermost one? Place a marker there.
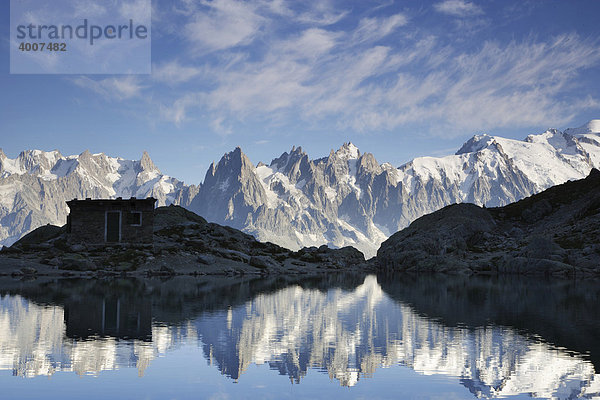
(588, 137)
(476, 143)
(7, 194)
(540, 161)
(10, 167)
(223, 186)
(64, 167)
(348, 152)
(592, 126)
(330, 193)
(264, 174)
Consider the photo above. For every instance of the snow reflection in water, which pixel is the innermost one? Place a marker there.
(348, 334)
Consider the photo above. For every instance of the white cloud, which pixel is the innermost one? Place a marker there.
(311, 43)
(223, 24)
(139, 10)
(173, 73)
(458, 8)
(112, 88)
(497, 85)
(220, 126)
(321, 13)
(177, 112)
(352, 79)
(88, 9)
(371, 29)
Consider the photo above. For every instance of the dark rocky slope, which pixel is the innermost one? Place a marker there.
(184, 243)
(555, 232)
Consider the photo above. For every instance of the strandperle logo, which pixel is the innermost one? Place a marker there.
(84, 31)
(75, 37)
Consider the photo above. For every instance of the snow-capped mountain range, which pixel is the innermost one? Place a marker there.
(35, 185)
(347, 198)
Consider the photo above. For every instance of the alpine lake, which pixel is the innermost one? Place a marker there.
(328, 336)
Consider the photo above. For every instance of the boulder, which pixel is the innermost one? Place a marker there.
(206, 259)
(28, 271)
(264, 262)
(76, 262)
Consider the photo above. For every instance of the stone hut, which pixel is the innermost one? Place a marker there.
(111, 220)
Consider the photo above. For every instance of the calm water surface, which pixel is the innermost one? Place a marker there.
(340, 336)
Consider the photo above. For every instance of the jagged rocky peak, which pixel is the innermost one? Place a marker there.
(85, 155)
(34, 161)
(233, 164)
(232, 160)
(86, 161)
(368, 163)
(146, 163)
(348, 151)
(94, 163)
(286, 158)
(236, 160)
(295, 165)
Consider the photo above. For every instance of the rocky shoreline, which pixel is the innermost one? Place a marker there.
(184, 244)
(555, 232)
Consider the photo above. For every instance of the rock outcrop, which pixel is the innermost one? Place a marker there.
(555, 232)
(184, 243)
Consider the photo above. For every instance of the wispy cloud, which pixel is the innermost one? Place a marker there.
(138, 10)
(89, 9)
(320, 13)
(177, 112)
(376, 28)
(222, 24)
(112, 88)
(458, 8)
(173, 73)
(369, 73)
(221, 126)
(495, 85)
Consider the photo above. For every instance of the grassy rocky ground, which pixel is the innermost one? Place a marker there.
(556, 232)
(184, 244)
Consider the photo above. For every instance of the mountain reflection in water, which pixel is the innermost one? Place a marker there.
(497, 337)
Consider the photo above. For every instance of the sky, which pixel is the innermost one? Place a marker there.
(399, 79)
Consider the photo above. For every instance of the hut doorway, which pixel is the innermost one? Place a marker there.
(113, 226)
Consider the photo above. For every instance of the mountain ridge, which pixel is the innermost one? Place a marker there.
(345, 198)
(348, 198)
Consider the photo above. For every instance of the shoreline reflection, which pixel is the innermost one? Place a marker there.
(345, 327)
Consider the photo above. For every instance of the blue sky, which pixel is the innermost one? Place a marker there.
(399, 79)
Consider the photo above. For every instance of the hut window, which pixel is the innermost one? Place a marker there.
(135, 218)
